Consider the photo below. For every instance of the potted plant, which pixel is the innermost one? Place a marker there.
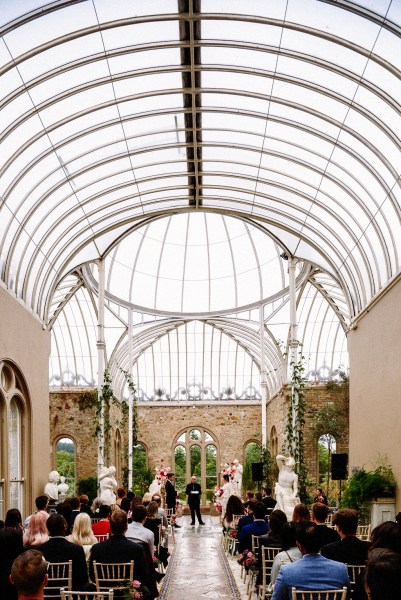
(372, 493)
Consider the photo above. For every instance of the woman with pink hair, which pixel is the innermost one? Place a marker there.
(36, 533)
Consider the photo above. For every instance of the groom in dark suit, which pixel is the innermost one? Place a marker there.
(194, 493)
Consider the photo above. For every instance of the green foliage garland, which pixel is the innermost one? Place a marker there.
(294, 435)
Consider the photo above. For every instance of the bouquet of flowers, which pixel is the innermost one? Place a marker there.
(217, 493)
(230, 469)
(233, 533)
(156, 561)
(132, 590)
(161, 473)
(248, 559)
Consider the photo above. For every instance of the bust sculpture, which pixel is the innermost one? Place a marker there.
(51, 488)
(108, 485)
(62, 488)
(286, 489)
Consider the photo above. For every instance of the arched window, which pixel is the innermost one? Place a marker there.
(326, 445)
(195, 453)
(14, 439)
(140, 478)
(65, 462)
(273, 441)
(252, 455)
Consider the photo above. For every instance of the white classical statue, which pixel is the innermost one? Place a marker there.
(108, 485)
(286, 489)
(51, 488)
(63, 488)
(236, 481)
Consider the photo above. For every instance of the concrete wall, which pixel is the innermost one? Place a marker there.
(27, 345)
(375, 385)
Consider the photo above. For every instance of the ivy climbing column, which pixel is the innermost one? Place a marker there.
(101, 347)
(131, 392)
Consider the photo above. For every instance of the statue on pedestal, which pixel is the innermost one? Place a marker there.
(63, 488)
(51, 488)
(108, 485)
(286, 490)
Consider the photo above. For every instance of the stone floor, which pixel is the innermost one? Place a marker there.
(198, 568)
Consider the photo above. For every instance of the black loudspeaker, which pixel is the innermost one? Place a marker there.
(257, 471)
(339, 466)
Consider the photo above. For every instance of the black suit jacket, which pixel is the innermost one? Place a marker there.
(193, 499)
(119, 549)
(58, 549)
(327, 535)
(349, 550)
(171, 494)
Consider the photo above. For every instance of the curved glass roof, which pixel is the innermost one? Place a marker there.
(283, 113)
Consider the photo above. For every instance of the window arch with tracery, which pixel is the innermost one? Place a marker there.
(195, 452)
(14, 439)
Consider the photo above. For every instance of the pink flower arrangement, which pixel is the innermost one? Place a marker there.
(162, 472)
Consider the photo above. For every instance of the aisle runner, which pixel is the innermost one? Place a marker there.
(199, 568)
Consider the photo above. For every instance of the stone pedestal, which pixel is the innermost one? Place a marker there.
(382, 509)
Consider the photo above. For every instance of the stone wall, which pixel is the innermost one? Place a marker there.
(231, 425)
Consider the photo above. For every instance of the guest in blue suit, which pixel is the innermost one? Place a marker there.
(248, 518)
(258, 527)
(313, 571)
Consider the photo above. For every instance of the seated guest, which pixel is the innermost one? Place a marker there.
(29, 575)
(160, 511)
(319, 516)
(289, 554)
(301, 514)
(121, 493)
(76, 507)
(85, 508)
(119, 549)
(58, 549)
(258, 528)
(41, 503)
(349, 549)
(248, 518)
(13, 519)
(64, 509)
(268, 499)
(147, 497)
(153, 522)
(273, 537)
(383, 574)
(313, 571)
(102, 527)
(136, 530)
(36, 533)
(82, 534)
(10, 548)
(234, 507)
(248, 497)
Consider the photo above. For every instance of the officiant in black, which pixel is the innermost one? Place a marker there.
(194, 493)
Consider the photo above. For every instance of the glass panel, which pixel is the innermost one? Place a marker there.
(141, 478)
(211, 470)
(65, 466)
(195, 460)
(180, 466)
(195, 435)
(14, 455)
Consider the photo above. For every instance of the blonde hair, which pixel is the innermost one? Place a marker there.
(36, 533)
(82, 533)
(147, 497)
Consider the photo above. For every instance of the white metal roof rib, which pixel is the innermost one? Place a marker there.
(283, 116)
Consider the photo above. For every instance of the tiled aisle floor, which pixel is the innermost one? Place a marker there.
(198, 569)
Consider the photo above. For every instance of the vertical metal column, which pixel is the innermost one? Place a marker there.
(101, 346)
(130, 400)
(263, 379)
(293, 349)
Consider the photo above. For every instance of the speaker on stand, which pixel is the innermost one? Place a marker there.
(339, 468)
(257, 472)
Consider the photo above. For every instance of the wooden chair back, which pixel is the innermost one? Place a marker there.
(67, 595)
(353, 572)
(363, 532)
(113, 575)
(319, 594)
(268, 555)
(101, 537)
(255, 546)
(59, 576)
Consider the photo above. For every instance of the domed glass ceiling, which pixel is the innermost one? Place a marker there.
(284, 113)
(196, 263)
